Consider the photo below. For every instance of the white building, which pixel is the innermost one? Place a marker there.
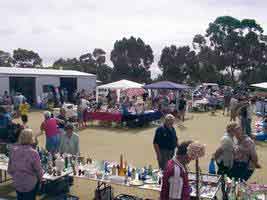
(34, 82)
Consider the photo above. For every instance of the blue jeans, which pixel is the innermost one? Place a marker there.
(52, 143)
(28, 195)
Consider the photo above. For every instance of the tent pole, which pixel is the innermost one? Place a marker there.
(96, 94)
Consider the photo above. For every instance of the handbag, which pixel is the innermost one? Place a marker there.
(59, 186)
(126, 197)
(103, 192)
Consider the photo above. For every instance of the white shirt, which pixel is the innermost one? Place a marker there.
(233, 103)
(227, 145)
(84, 104)
(258, 106)
(69, 145)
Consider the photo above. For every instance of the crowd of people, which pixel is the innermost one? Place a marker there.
(24, 160)
(236, 157)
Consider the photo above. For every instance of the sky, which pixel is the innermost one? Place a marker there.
(70, 28)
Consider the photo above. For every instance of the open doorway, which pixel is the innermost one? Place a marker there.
(70, 84)
(24, 85)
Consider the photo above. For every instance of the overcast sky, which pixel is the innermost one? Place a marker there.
(69, 28)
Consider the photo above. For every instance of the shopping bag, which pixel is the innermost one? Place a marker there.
(103, 192)
(212, 168)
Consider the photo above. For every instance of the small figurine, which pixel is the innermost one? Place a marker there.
(74, 170)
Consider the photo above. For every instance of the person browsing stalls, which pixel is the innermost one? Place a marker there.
(69, 142)
(165, 141)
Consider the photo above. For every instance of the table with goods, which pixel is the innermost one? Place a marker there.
(56, 172)
(115, 115)
(237, 189)
(145, 178)
(60, 167)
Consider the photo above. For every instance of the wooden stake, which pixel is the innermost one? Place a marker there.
(197, 180)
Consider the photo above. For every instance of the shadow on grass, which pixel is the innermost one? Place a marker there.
(120, 129)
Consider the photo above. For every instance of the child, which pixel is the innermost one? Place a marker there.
(24, 109)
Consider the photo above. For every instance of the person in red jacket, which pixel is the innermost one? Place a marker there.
(175, 185)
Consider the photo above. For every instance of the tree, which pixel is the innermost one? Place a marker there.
(237, 43)
(85, 63)
(6, 59)
(208, 68)
(67, 64)
(90, 63)
(100, 56)
(132, 59)
(178, 64)
(26, 59)
(104, 73)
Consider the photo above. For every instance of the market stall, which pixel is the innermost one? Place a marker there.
(260, 95)
(130, 110)
(166, 85)
(166, 95)
(146, 178)
(56, 172)
(104, 116)
(206, 95)
(134, 119)
(131, 119)
(120, 86)
(262, 85)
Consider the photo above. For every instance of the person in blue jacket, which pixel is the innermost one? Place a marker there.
(262, 136)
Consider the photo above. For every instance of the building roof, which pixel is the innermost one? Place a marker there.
(15, 71)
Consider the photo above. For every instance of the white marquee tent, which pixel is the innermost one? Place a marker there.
(260, 85)
(118, 86)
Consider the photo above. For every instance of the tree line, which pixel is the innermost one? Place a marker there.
(229, 52)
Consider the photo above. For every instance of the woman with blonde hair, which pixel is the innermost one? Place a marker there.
(25, 167)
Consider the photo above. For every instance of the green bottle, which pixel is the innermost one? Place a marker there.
(66, 162)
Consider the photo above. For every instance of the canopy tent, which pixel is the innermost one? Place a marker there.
(210, 84)
(260, 85)
(119, 86)
(166, 85)
(122, 84)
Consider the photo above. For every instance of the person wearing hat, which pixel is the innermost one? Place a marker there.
(69, 142)
(64, 120)
(165, 141)
(49, 127)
